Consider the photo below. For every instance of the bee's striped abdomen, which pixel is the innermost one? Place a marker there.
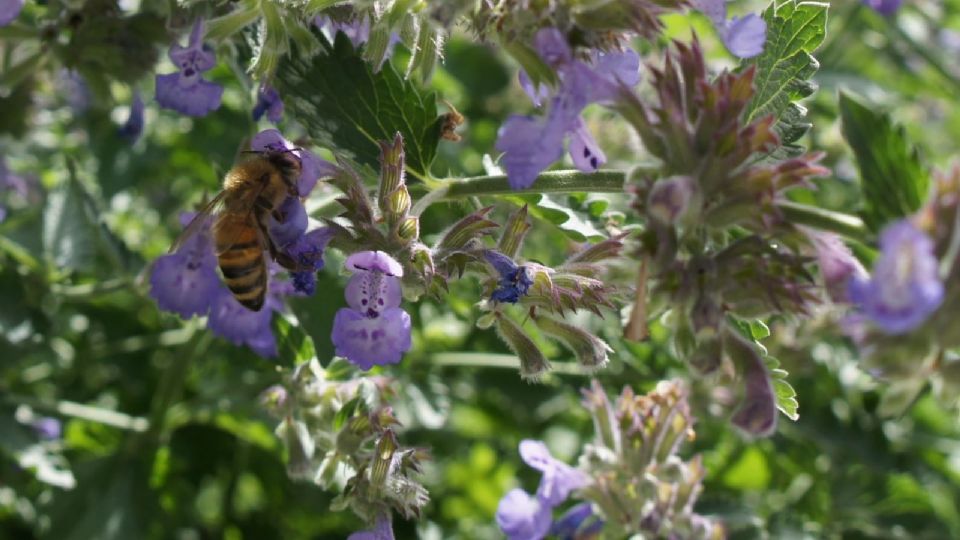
(240, 254)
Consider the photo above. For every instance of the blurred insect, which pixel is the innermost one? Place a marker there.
(451, 121)
(253, 191)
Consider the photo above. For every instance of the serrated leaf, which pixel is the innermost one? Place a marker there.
(348, 107)
(893, 181)
(786, 399)
(794, 31)
(572, 223)
(294, 345)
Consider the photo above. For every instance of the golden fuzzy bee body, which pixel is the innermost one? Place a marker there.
(253, 190)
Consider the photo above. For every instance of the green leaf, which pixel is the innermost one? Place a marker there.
(572, 223)
(294, 346)
(794, 31)
(74, 238)
(893, 181)
(347, 106)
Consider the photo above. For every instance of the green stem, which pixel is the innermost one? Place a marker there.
(613, 182)
(505, 361)
(548, 182)
(89, 413)
(172, 382)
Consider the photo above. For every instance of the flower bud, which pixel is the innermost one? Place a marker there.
(706, 317)
(409, 228)
(707, 357)
(757, 414)
(300, 448)
(398, 202)
(670, 199)
(591, 351)
(274, 400)
(532, 362)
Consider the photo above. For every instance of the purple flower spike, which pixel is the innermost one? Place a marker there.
(240, 326)
(515, 280)
(522, 517)
(884, 7)
(133, 127)
(744, 37)
(382, 530)
(558, 480)
(9, 10)
(269, 102)
(187, 92)
(373, 330)
(905, 288)
(186, 282)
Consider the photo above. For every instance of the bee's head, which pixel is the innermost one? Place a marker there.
(287, 162)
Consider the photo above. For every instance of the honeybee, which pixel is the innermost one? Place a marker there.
(253, 191)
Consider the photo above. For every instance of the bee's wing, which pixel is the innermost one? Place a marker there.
(199, 221)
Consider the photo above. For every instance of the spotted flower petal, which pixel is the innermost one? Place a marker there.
(186, 91)
(241, 326)
(366, 341)
(374, 261)
(522, 517)
(584, 150)
(186, 282)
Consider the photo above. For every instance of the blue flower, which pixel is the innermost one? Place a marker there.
(373, 330)
(578, 523)
(515, 280)
(9, 10)
(186, 281)
(241, 326)
(133, 127)
(186, 91)
(884, 7)
(530, 145)
(744, 37)
(269, 102)
(307, 251)
(382, 530)
(522, 517)
(905, 288)
(47, 428)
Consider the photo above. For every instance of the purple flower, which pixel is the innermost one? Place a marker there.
(75, 90)
(884, 7)
(133, 127)
(515, 280)
(241, 326)
(11, 182)
(578, 523)
(9, 9)
(357, 30)
(269, 102)
(312, 168)
(558, 479)
(905, 287)
(187, 92)
(382, 530)
(373, 330)
(837, 264)
(307, 252)
(522, 517)
(47, 428)
(291, 226)
(744, 37)
(186, 282)
(531, 145)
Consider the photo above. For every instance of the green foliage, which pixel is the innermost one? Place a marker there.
(893, 181)
(794, 30)
(348, 106)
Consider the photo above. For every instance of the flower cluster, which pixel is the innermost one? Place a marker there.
(341, 433)
(629, 477)
(531, 145)
(186, 281)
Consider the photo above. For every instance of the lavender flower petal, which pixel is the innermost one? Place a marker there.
(9, 10)
(745, 36)
(579, 522)
(47, 428)
(905, 288)
(528, 148)
(552, 47)
(241, 326)
(837, 264)
(538, 94)
(522, 517)
(515, 280)
(269, 103)
(374, 261)
(382, 530)
(196, 99)
(884, 7)
(292, 225)
(584, 150)
(366, 341)
(186, 282)
(371, 293)
(558, 480)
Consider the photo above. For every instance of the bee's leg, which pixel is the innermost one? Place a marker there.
(285, 260)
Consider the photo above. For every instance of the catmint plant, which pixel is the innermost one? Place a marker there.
(186, 91)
